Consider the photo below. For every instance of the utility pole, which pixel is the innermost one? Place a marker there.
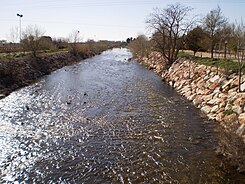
(225, 49)
(20, 15)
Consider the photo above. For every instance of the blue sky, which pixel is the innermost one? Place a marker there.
(99, 19)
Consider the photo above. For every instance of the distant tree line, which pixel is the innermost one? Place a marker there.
(35, 42)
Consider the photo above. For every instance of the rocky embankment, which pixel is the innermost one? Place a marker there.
(21, 72)
(215, 93)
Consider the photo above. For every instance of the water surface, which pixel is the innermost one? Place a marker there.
(106, 120)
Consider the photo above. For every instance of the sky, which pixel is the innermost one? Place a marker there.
(98, 19)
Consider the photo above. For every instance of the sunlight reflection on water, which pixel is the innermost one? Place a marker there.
(105, 120)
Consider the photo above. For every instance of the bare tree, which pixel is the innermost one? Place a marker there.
(213, 23)
(31, 39)
(74, 40)
(239, 37)
(13, 35)
(169, 26)
(140, 46)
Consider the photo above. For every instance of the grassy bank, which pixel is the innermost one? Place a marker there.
(20, 71)
(228, 65)
(17, 73)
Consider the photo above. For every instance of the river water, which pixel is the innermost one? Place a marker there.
(106, 120)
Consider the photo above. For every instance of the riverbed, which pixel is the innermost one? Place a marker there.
(107, 119)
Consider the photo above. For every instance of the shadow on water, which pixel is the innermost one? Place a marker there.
(107, 120)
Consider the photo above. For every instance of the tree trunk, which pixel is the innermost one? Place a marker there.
(239, 79)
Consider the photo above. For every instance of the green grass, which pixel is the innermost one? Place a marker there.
(220, 63)
(228, 112)
(16, 55)
(183, 54)
(228, 65)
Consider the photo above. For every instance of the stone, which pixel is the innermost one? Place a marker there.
(187, 94)
(207, 98)
(227, 84)
(185, 89)
(206, 92)
(192, 97)
(199, 91)
(215, 78)
(242, 87)
(228, 107)
(178, 85)
(215, 109)
(213, 86)
(213, 69)
(222, 104)
(211, 116)
(223, 96)
(234, 83)
(232, 91)
(212, 101)
(221, 109)
(237, 109)
(240, 130)
(220, 116)
(241, 118)
(206, 78)
(197, 101)
(230, 118)
(239, 101)
(206, 109)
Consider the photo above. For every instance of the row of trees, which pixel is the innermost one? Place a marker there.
(33, 41)
(174, 28)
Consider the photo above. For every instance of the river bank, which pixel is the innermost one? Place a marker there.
(215, 93)
(21, 72)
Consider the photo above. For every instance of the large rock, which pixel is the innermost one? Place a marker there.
(197, 101)
(220, 116)
(234, 83)
(228, 107)
(241, 118)
(215, 109)
(206, 109)
(239, 101)
(192, 97)
(213, 86)
(227, 84)
(212, 101)
(229, 119)
(240, 130)
(207, 98)
(214, 79)
(237, 109)
(186, 89)
(213, 69)
(242, 87)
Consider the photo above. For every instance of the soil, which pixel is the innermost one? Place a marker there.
(17, 73)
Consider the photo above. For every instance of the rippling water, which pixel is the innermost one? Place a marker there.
(106, 120)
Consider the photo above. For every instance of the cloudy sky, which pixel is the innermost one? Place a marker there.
(98, 19)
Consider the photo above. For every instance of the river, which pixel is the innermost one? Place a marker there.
(107, 120)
